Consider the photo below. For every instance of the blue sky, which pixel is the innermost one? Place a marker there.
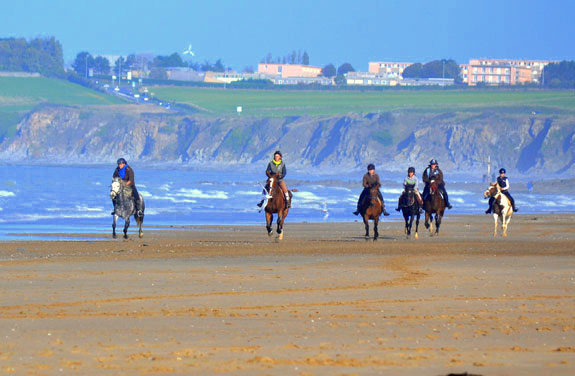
(336, 31)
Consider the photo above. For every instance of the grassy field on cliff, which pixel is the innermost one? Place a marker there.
(18, 95)
(288, 102)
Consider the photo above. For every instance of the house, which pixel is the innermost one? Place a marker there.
(289, 70)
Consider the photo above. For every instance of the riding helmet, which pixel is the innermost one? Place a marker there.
(277, 152)
(122, 160)
(411, 169)
(370, 166)
(432, 162)
(502, 171)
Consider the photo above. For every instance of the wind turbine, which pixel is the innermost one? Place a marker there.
(189, 51)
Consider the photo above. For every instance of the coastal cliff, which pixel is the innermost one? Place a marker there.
(528, 143)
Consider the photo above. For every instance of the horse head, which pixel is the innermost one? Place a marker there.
(491, 191)
(115, 188)
(374, 192)
(432, 187)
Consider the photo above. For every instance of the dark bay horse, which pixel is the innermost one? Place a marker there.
(125, 207)
(276, 204)
(373, 212)
(433, 204)
(410, 209)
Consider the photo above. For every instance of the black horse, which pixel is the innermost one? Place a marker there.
(125, 206)
(411, 209)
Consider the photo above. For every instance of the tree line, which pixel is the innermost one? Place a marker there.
(294, 57)
(38, 55)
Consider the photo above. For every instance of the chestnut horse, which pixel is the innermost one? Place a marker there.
(433, 204)
(276, 204)
(373, 212)
(502, 209)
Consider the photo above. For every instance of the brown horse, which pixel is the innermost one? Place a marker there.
(276, 204)
(433, 204)
(373, 212)
(502, 208)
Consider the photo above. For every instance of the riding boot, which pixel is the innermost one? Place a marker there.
(261, 203)
(490, 209)
(399, 203)
(446, 198)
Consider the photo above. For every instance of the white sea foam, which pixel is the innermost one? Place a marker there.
(38, 217)
(88, 209)
(248, 193)
(396, 191)
(7, 194)
(196, 193)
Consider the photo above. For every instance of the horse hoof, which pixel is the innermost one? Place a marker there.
(281, 236)
(270, 233)
(114, 236)
(125, 236)
(416, 236)
(141, 235)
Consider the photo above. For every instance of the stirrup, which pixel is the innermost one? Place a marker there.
(269, 196)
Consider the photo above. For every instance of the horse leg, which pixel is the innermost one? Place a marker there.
(375, 232)
(411, 215)
(269, 219)
(366, 224)
(495, 219)
(426, 220)
(126, 225)
(417, 224)
(114, 226)
(431, 223)
(280, 225)
(438, 218)
(506, 223)
(140, 221)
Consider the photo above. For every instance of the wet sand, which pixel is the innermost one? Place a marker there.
(324, 301)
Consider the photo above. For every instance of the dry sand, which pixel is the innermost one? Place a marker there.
(217, 300)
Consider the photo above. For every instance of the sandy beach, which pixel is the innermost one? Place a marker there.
(208, 300)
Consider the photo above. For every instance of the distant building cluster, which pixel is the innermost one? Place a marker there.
(476, 72)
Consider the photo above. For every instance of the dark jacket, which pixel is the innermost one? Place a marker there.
(369, 181)
(128, 177)
(503, 183)
(274, 170)
(437, 176)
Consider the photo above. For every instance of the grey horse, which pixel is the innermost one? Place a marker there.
(125, 207)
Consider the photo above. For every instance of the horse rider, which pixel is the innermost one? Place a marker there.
(126, 173)
(370, 180)
(277, 170)
(410, 182)
(504, 185)
(434, 173)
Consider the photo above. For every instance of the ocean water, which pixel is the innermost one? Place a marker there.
(45, 200)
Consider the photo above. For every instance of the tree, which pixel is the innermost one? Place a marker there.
(219, 66)
(82, 63)
(328, 71)
(305, 58)
(340, 80)
(433, 69)
(559, 75)
(101, 65)
(173, 60)
(344, 68)
(119, 66)
(248, 69)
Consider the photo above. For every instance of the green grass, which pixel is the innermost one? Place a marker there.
(283, 103)
(19, 95)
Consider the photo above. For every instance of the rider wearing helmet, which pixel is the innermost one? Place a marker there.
(370, 179)
(410, 182)
(126, 173)
(504, 185)
(277, 169)
(434, 173)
